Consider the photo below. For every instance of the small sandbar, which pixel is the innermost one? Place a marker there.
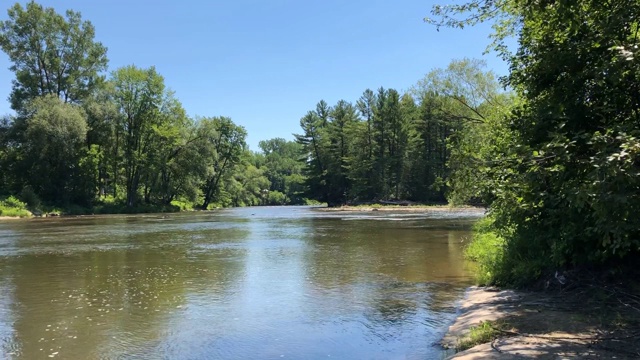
(407, 209)
(13, 218)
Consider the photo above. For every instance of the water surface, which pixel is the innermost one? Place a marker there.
(264, 283)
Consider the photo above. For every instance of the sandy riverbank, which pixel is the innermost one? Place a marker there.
(12, 218)
(412, 208)
(552, 325)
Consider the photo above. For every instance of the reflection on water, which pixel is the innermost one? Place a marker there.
(241, 283)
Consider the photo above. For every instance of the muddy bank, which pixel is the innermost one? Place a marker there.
(554, 325)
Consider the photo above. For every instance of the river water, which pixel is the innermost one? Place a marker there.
(247, 283)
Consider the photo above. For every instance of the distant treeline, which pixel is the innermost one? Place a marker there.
(391, 146)
(80, 137)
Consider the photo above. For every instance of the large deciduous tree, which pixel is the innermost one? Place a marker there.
(223, 144)
(283, 168)
(54, 150)
(138, 94)
(466, 116)
(51, 54)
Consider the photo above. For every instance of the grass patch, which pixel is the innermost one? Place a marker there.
(13, 207)
(183, 205)
(487, 250)
(14, 212)
(504, 259)
(481, 334)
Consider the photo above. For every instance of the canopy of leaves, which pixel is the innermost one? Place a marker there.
(283, 168)
(51, 55)
(564, 179)
(53, 147)
(424, 145)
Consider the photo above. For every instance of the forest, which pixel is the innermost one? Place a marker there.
(552, 149)
(413, 147)
(86, 139)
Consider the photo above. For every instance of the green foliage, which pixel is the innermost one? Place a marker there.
(482, 333)
(89, 146)
(499, 262)
(6, 175)
(422, 146)
(125, 145)
(138, 95)
(471, 104)
(312, 202)
(183, 205)
(561, 170)
(276, 198)
(12, 201)
(30, 197)
(246, 185)
(486, 249)
(315, 146)
(294, 188)
(580, 173)
(283, 168)
(51, 55)
(13, 207)
(223, 145)
(503, 14)
(53, 149)
(13, 212)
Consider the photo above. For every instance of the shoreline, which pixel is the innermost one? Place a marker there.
(398, 208)
(359, 208)
(2, 218)
(549, 325)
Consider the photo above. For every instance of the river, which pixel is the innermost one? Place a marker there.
(246, 283)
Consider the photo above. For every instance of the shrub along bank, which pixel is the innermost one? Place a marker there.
(13, 207)
(561, 169)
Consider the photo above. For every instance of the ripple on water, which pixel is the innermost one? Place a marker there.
(242, 283)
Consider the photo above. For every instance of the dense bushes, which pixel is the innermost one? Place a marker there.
(13, 207)
(564, 186)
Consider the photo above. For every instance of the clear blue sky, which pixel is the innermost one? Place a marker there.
(266, 63)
